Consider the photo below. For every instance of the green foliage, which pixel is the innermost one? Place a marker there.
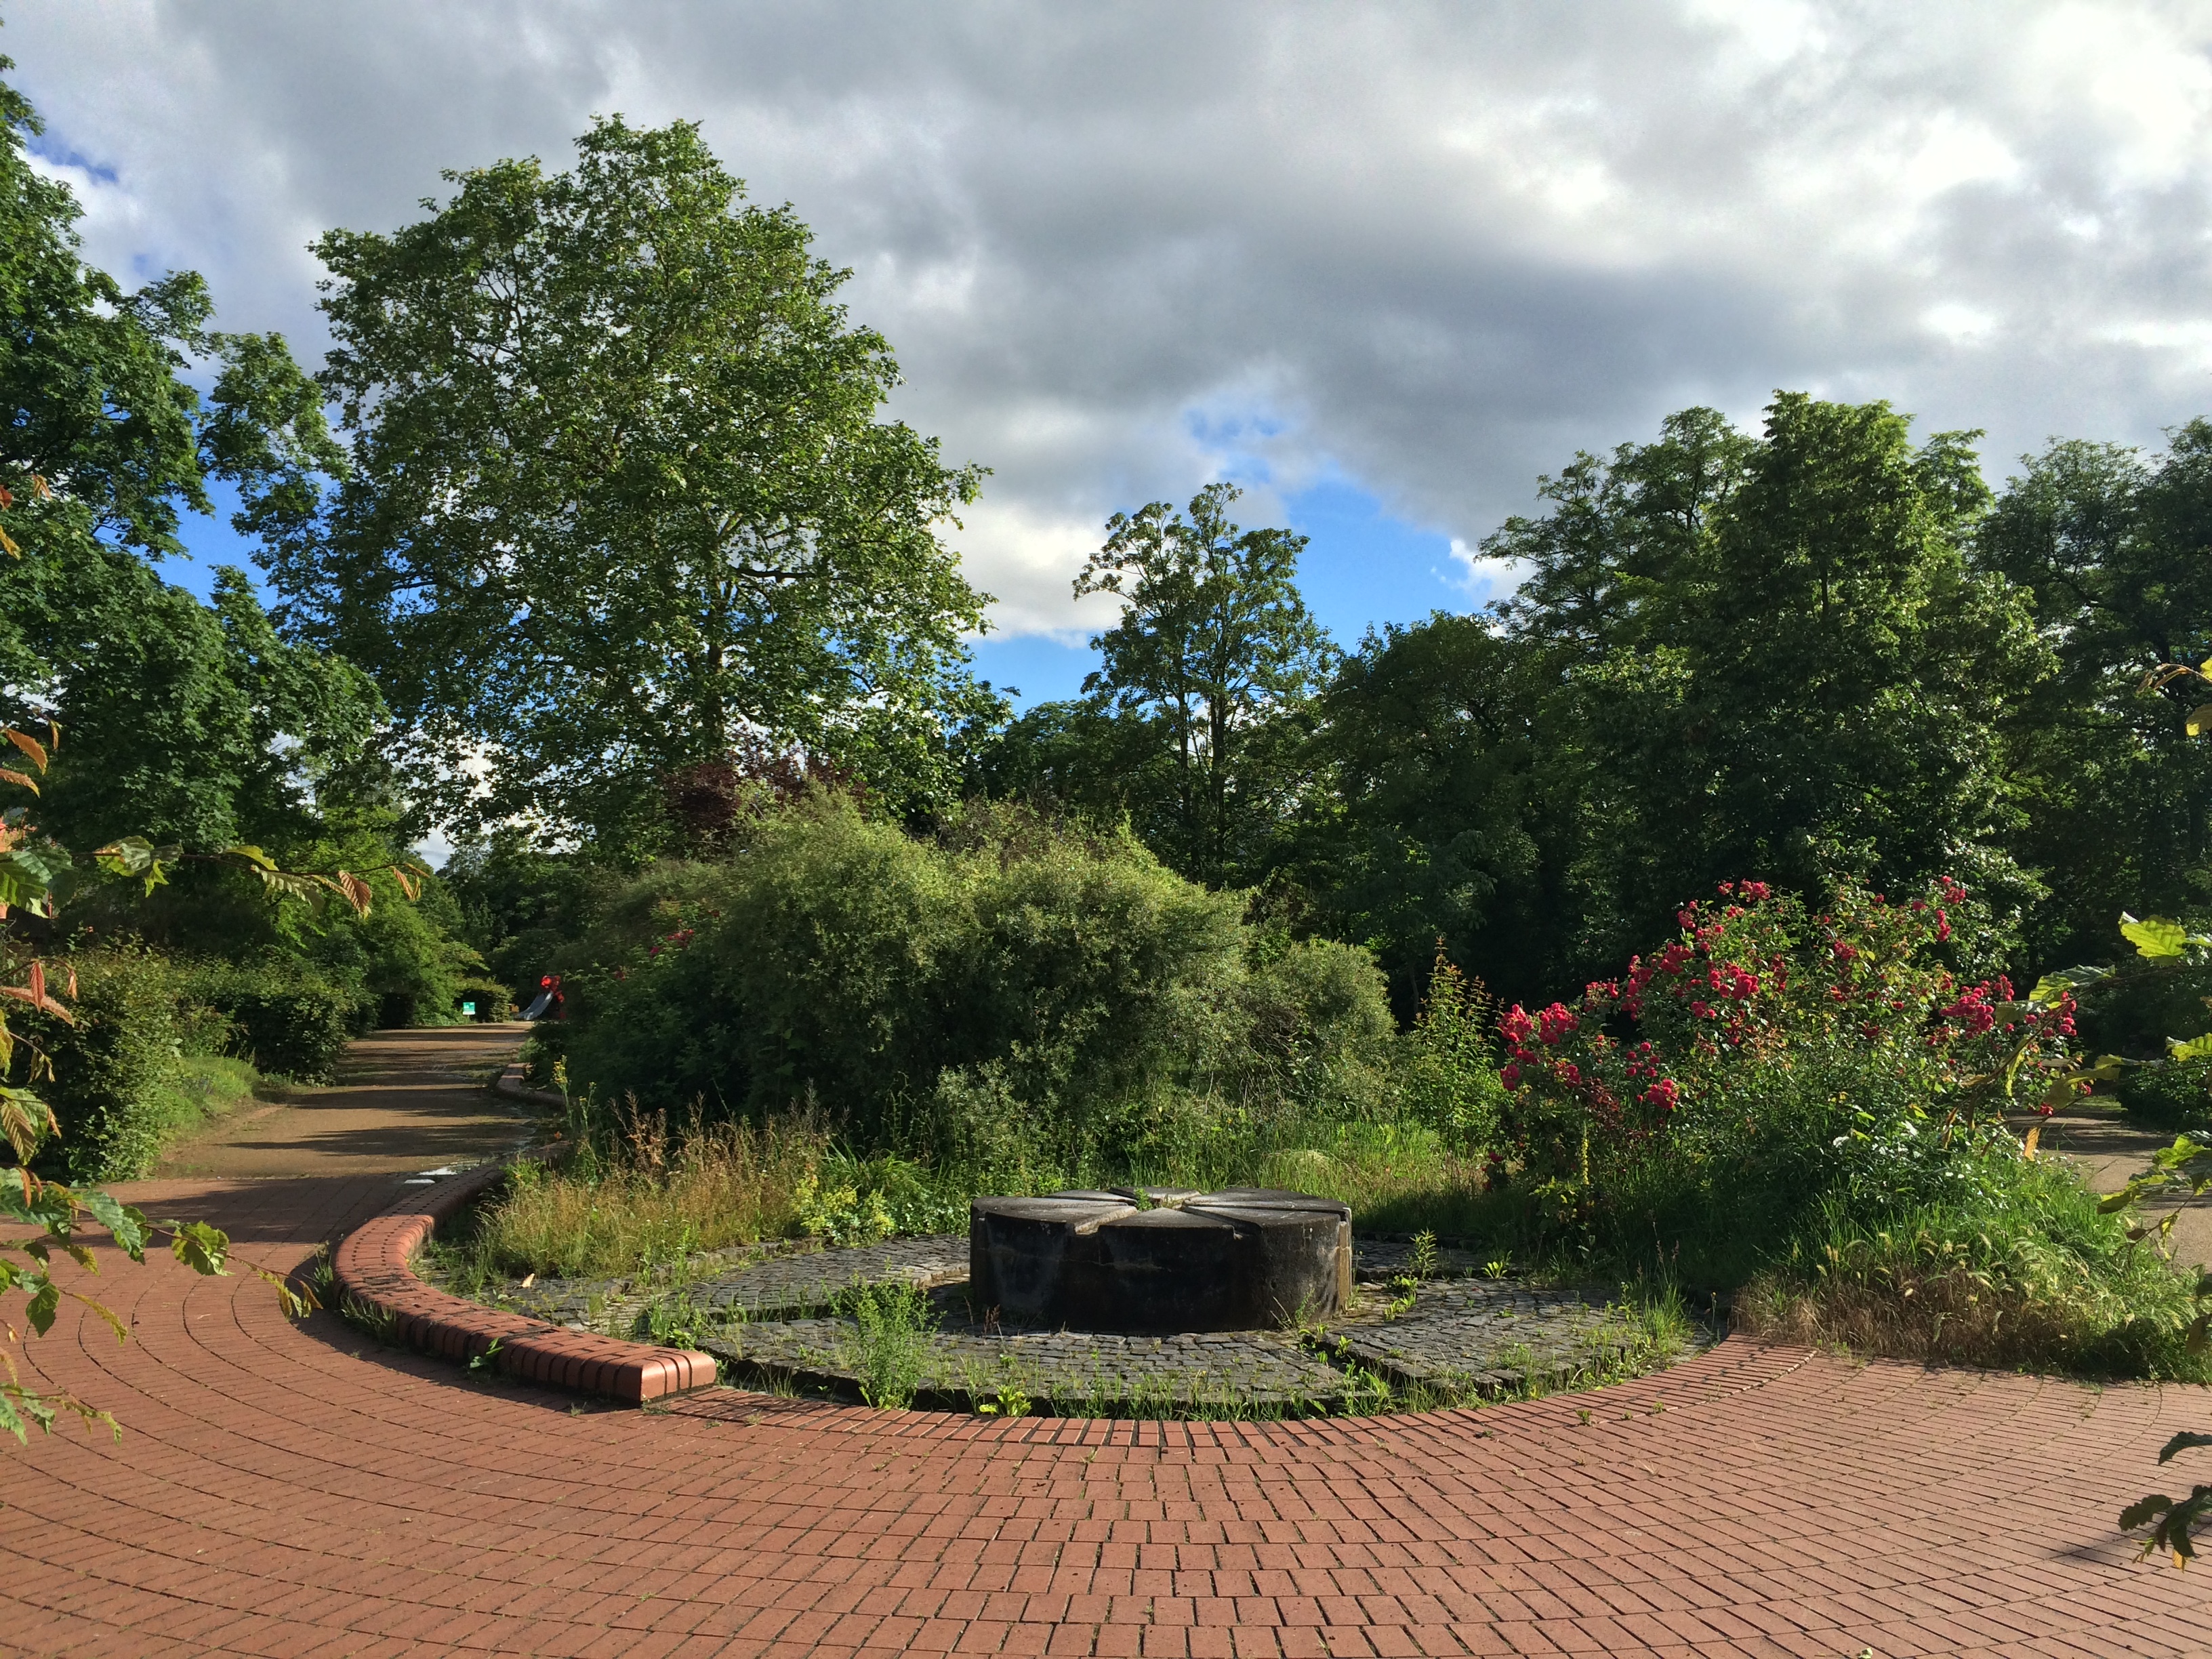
(2107, 543)
(1214, 652)
(109, 1062)
(288, 1022)
(2020, 1267)
(1732, 655)
(689, 494)
(494, 1000)
(520, 907)
(1447, 1077)
(1009, 995)
(891, 1352)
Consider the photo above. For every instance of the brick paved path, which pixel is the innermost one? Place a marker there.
(289, 1490)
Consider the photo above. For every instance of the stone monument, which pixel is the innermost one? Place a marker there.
(1155, 1260)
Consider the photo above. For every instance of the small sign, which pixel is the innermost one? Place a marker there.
(470, 1009)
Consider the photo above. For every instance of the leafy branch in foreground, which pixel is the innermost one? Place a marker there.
(2185, 1167)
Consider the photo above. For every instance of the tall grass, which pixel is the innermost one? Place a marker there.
(642, 1196)
(2023, 1272)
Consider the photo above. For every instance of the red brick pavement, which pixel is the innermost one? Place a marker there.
(291, 1490)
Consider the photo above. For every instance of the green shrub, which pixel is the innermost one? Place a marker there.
(2020, 1268)
(494, 1000)
(286, 1019)
(1009, 996)
(109, 1064)
(1448, 1073)
(2171, 1097)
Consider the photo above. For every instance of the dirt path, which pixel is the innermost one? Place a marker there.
(404, 1100)
(2112, 1151)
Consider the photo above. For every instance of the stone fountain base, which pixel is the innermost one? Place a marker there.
(1152, 1259)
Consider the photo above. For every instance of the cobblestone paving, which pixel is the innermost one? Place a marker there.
(809, 1284)
(1479, 1335)
(1069, 1371)
(1462, 1336)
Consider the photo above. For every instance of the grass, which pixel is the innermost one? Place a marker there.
(649, 1199)
(197, 1089)
(2026, 1274)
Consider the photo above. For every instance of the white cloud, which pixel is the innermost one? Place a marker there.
(1445, 246)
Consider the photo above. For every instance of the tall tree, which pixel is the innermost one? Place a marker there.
(184, 722)
(1733, 656)
(621, 493)
(1216, 647)
(2110, 544)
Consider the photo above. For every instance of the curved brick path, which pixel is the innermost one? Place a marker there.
(289, 1490)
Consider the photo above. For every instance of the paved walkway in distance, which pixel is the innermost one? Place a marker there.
(2112, 1150)
(290, 1489)
(403, 1101)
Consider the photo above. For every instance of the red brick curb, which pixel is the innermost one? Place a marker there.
(371, 1267)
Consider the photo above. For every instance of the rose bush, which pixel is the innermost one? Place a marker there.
(1771, 1044)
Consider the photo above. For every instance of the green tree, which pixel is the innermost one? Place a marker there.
(1732, 656)
(1439, 813)
(1216, 649)
(2109, 544)
(621, 494)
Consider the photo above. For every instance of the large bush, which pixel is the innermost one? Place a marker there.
(283, 1016)
(133, 1065)
(1008, 994)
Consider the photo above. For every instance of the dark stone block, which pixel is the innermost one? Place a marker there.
(1244, 1260)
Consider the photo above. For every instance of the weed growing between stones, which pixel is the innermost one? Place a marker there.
(369, 1319)
(890, 1355)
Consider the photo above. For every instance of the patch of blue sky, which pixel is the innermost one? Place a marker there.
(57, 155)
(210, 542)
(1362, 566)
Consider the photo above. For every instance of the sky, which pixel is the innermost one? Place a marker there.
(1380, 266)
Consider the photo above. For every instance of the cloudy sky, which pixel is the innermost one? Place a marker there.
(1382, 265)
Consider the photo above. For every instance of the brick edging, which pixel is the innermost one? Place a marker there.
(371, 1267)
(509, 1083)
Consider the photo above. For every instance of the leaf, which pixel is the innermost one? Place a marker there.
(2199, 721)
(354, 890)
(2053, 986)
(2144, 1510)
(2029, 1142)
(8, 545)
(126, 1225)
(2181, 1443)
(29, 745)
(2196, 1048)
(25, 877)
(8, 775)
(2155, 937)
(200, 1247)
(411, 881)
(43, 1306)
(134, 856)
